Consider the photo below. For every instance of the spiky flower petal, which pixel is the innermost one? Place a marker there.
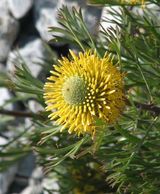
(83, 89)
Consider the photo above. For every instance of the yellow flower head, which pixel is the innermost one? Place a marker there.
(83, 89)
(133, 1)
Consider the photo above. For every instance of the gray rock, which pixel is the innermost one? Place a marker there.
(74, 3)
(19, 8)
(35, 183)
(6, 178)
(151, 10)
(4, 6)
(8, 31)
(3, 141)
(5, 95)
(5, 47)
(33, 53)
(26, 166)
(51, 184)
(92, 16)
(35, 106)
(46, 12)
(107, 17)
(2, 67)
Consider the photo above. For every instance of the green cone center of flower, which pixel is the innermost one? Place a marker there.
(74, 90)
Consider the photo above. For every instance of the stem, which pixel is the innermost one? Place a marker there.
(145, 81)
(140, 144)
(149, 107)
(20, 114)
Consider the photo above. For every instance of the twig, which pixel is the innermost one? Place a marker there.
(149, 107)
(21, 114)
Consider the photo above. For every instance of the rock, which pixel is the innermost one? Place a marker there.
(5, 95)
(151, 10)
(32, 190)
(35, 183)
(5, 47)
(6, 179)
(35, 106)
(74, 3)
(8, 31)
(2, 68)
(25, 169)
(3, 141)
(92, 16)
(19, 8)
(51, 184)
(26, 166)
(4, 6)
(33, 53)
(107, 17)
(7, 176)
(46, 13)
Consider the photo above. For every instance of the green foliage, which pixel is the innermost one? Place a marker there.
(24, 81)
(109, 2)
(126, 154)
(73, 30)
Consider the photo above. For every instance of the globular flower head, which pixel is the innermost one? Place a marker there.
(84, 89)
